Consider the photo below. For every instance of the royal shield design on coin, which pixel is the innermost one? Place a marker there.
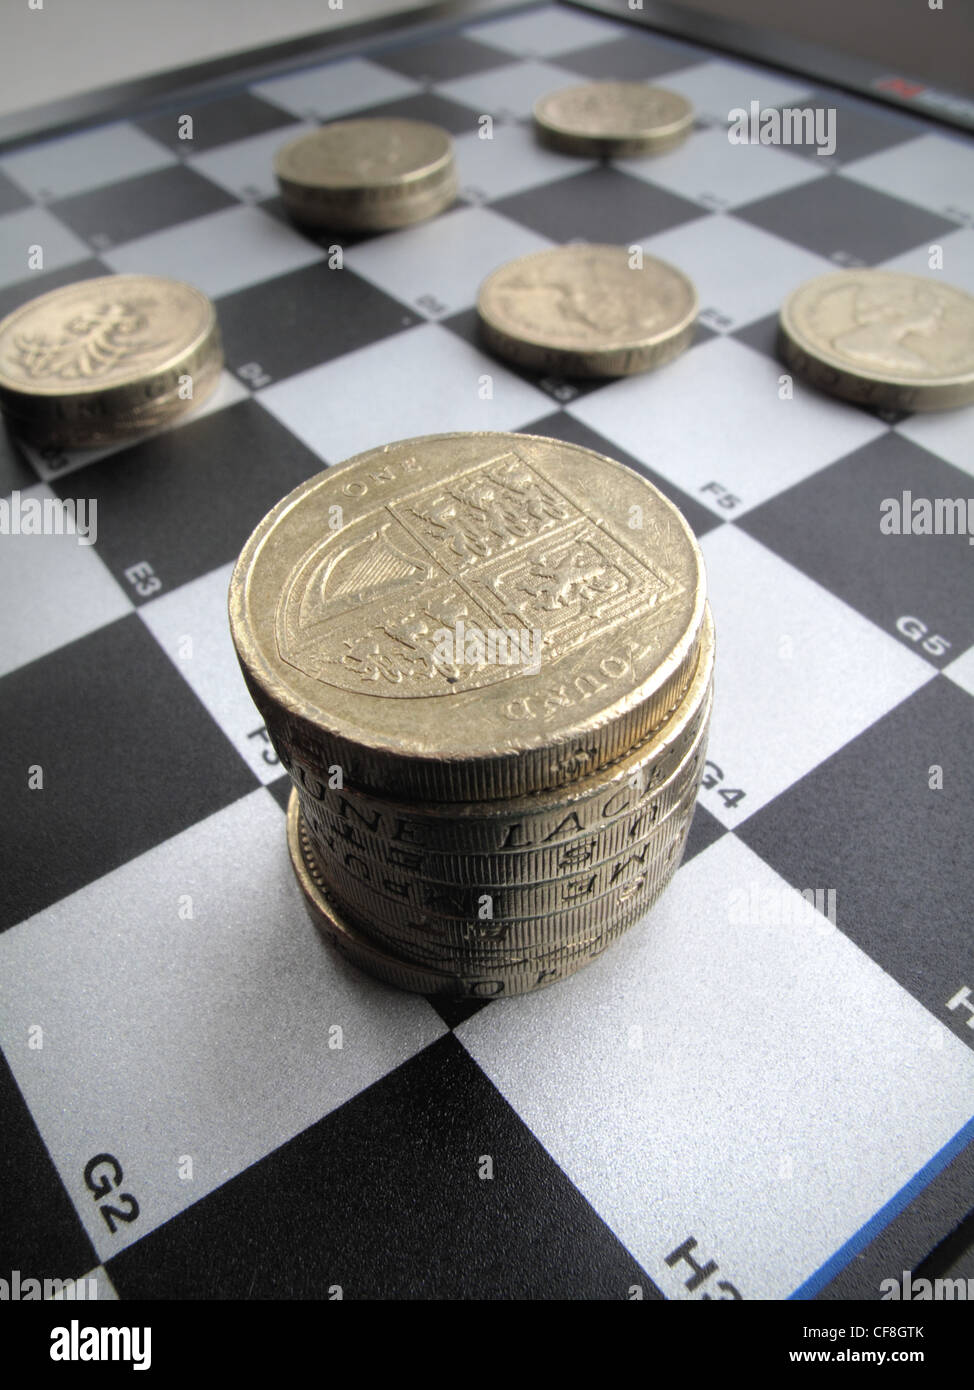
(460, 585)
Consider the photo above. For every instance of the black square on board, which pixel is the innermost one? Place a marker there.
(845, 221)
(860, 128)
(15, 471)
(829, 526)
(442, 60)
(302, 319)
(705, 829)
(422, 106)
(137, 207)
(632, 58)
(40, 1235)
(599, 205)
(280, 789)
(383, 1197)
(12, 196)
(12, 296)
(217, 123)
(185, 500)
(129, 757)
(897, 850)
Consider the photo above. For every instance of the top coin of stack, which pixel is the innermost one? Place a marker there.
(367, 175)
(613, 119)
(882, 338)
(486, 662)
(344, 596)
(95, 361)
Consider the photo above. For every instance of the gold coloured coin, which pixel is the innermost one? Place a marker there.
(882, 338)
(466, 982)
(627, 787)
(368, 174)
(93, 361)
(354, 605)
(353, 832)
(449, 944)
(588, 311)
(528, 917)
(613, 119)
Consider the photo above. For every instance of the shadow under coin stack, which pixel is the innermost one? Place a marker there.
(486, 661)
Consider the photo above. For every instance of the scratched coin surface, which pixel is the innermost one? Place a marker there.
(882, 338)
(613, 119)
(588, 311)
(98, 358)
(463, 617)
(367, 174)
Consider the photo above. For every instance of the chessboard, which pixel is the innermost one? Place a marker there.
(766, 1089)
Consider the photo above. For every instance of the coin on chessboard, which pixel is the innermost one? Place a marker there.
(468, 976)
(588, 311)
(882, 338)
(530, 916)
(467, 616)
(613, 119)
(523, 839)
(353, 828)
(101, 359)
(367, 175)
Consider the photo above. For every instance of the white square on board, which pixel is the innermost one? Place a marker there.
(506, 93)
(714, 416)
(551, 30)
(203, 1036)
(799, 673)
(936, 172)
(509, 162)
(424, 381)
(709, 170)
(21, 232)
(190, 624)
(245, 168)
(742, 272)
(438, 266)
(326, 93)
(220, 253)
(77, 163)
(57, 590)
(719, 1078)
(717, 88)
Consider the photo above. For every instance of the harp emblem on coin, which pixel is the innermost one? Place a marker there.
(454, 586)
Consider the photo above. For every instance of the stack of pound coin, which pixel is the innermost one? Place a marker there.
(367, 175)
(586, 310)
(102, 359)
(613, 119)
(882, 338)
(486, 661)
